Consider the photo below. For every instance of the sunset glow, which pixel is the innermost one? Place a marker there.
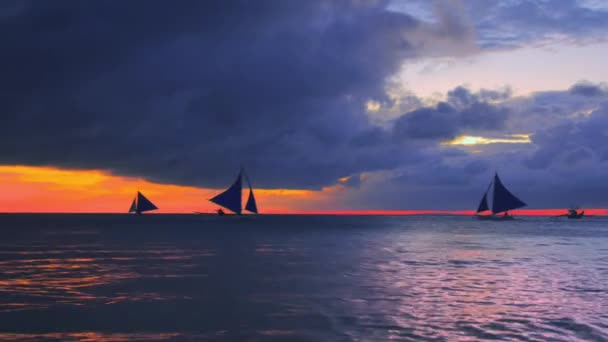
(53, 190)
(44, 189)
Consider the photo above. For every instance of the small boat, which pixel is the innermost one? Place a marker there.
(141, 204)
(232, 197)
(573, 214)
(502, 201)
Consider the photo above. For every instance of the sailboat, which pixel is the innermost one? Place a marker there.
(140, 204)
(502, 201)
(231, 198)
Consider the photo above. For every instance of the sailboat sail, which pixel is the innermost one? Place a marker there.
(144, 204)
(251, 206)
(231, 198)
(140, 204)
(483, 205)
(503, 199)
(133, 207)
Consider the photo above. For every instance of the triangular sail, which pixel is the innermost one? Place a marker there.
(503, 199)
(144, 204)
(251, 205)
(231, 198)
(133, 206)
(483, 205)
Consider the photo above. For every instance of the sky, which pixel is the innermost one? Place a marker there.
(340, 106)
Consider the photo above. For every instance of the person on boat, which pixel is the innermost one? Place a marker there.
(220, 212)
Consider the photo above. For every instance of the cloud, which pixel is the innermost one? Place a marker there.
(588, 89)
(572, 142)
(277, 87)
(512, 24)
(562, 163)
(463, 111)
(516, 23)
(283, 88)
(451, 32)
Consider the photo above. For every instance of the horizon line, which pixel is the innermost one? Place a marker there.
(363, 212)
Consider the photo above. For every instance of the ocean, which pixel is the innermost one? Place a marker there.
(302, 278)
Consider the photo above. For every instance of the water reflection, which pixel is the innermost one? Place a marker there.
(480, 289)
(89, 337)
(321, 279)
(40, 278)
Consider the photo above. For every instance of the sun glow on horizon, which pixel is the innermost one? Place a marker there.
(52, 190)
(49, 189)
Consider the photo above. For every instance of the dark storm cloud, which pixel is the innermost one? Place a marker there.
(572, 142)
(565, 164)
(437, 175)
(464, 111)
(186, 92)
(568, 159)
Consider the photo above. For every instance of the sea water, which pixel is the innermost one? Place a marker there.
(302, 278)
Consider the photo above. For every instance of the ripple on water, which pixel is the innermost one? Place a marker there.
(382, 279)
(578, 329)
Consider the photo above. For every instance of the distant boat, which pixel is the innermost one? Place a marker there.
(231, 198)
(141, 204)
(573, 214)
(502, 202)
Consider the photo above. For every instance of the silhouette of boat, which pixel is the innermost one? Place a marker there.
(141, 204)
(573, 214)
(502, 201)
(231, 198)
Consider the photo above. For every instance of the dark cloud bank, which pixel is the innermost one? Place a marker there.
(186, 92)
(565, 164)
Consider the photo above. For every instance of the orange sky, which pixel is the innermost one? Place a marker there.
(45, 189)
